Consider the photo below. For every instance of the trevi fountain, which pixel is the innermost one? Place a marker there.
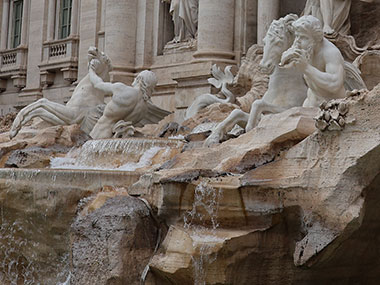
(269, 178)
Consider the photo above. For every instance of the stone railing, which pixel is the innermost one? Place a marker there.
(13, 64)
(59, 55)
(13, 59)
(57, 50)
(9, 58)
(60, 50)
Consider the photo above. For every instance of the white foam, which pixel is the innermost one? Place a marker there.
(145, 160)
(74, 163)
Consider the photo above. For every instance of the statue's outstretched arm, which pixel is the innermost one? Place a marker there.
(98, 81)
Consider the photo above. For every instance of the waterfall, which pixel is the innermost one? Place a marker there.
(201, 223)
(21, 251)
(117, 154)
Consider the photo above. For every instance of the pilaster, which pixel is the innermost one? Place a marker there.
(267, 11)
(4, 25)
(216, 31)
(120, 38)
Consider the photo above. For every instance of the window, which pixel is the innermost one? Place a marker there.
(17, 20)
(65, 19)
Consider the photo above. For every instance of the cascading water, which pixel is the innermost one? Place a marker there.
(201, 223)
(24, 256)
(117, 154)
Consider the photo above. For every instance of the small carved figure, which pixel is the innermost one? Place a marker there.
(84, 107)
(318, 59)
(333, 14)
(128, 103)
(185, 18)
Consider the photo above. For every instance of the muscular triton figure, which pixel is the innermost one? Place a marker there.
(129, 103)
(319, 60)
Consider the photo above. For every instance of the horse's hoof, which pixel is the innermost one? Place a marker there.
(12, 133)
(211, 140)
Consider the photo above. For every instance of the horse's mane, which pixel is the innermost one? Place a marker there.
(282, 27)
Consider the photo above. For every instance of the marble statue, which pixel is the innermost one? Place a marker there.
(84, 107)
(286, 87)
(220, 80)
(333, 14)
(131, 104)
(185, 18)
(318, 59)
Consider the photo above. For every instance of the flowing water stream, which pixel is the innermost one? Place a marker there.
(117, 154)
(201, 222)
(25, 254)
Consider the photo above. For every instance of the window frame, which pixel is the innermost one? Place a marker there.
(64, 20)
(17, 16)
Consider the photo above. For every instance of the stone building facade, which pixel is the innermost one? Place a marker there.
(44, 43)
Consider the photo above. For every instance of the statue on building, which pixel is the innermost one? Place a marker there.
(84, 107)
(333, 14)
(131, 104)
(185, 18)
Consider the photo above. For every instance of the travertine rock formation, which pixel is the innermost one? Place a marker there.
(38, 143)
(37, 209)
(309, 217)
(6, 122)
(262, 144)
(113, 244)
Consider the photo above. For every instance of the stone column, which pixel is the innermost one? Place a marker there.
(33, 21)
(215, 30)
(88, 32)
(120, 38)
(144, 34)
(74, 18)
(51, 20)
(25, 23)
(267, 11)
(4, 25)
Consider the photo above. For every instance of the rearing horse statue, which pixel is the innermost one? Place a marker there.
(286, 87)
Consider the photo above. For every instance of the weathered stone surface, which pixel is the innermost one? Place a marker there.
(37, 209)
(365, 23)
(56, 139)
(6, 122)
(369, 64)
(257, 147)
(309, 217)
(113, 244)
(214, 113)
(33, 157)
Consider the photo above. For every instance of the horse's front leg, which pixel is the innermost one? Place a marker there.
(60, 111)
(46, 116)
(259, 107)
(18, 121)
(235, 117)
